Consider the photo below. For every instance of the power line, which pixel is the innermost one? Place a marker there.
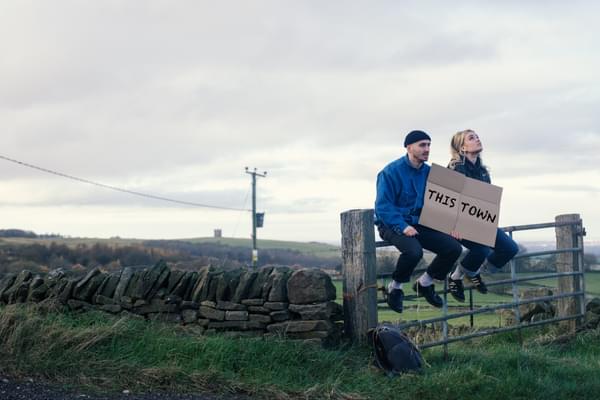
(118, 189)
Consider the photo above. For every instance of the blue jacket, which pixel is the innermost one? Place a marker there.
(400, 193)
(470, 170)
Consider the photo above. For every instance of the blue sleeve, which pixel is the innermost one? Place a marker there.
(386, 210)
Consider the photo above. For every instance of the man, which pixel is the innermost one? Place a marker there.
(400, 193)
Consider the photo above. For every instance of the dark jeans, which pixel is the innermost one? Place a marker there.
(446, 248)
(504, 249)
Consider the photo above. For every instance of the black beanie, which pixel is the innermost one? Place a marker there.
(415, 136)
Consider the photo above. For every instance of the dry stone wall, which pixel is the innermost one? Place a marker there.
(297, 304)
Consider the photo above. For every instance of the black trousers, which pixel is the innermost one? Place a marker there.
(446, 248)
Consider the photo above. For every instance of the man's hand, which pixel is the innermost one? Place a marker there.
(410, 231)
(455, 235)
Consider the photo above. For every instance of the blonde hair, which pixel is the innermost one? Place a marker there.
(456, 144)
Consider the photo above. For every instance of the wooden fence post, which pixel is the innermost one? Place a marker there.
(359, 273)
(567, 237)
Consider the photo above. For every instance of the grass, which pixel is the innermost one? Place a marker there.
(102, 352)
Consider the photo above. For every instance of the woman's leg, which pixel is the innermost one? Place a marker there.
(505, 249)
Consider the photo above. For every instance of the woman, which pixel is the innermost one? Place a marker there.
(466, 148)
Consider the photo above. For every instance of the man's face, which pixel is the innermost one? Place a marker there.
(419, 150)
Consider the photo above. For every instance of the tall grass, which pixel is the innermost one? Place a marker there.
(108, 353)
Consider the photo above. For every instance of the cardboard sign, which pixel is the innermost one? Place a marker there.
(454, 202)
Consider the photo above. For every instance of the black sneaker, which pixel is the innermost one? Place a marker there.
(429, 293)
(478, 283)
(395, 297)
(456, 288)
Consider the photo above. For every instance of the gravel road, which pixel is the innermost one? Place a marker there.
(30, 389)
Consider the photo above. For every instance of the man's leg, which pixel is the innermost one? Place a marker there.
(411, 253)
(446, 248)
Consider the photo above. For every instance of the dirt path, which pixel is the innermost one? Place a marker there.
(32, 390)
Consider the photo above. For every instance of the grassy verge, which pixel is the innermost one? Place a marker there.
(108, 353)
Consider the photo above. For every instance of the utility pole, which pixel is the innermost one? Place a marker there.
(254, 248)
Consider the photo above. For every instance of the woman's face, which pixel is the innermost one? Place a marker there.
(472, 143)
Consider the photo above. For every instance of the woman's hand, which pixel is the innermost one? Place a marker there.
(455, 235)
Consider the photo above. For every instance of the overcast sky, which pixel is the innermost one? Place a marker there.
(175, 98)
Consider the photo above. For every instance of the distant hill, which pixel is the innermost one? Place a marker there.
(41, 254)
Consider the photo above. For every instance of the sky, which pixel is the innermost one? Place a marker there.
(176, 98)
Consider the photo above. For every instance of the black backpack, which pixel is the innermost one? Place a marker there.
(394, 351)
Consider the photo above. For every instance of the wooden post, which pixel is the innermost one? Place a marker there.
(566, 238)
(359, 273)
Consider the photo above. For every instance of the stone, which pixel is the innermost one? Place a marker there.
(66, 291)
(111, 308)
(5, 284)
(132, 287)
(212, 286)
(56, 274)
(211, 313)
(229, 306)
(139, 303)
(276, 306)
(150, 281)
(236, 315)
(159, 288)
(189, 305)
(173, 299)
(189, 316)
(37, 289)
(507, 317)
(200, 292)
(18, 291)
(203, 322)
(182, 286)
(265, 319)
(208, 303)
(87, 278)
(307, 286)
(527, 311)
(110, 285)
(156, 306)
(253, 302)
(104, 300)
(126, 302)
(88, 291)
(260, 280)
(280, 316)
(190, 287)
(258, 310)
(246, 281)
(277, 285)
(300, 326)
(124, 280)
(174, 279)
(316, 311)
(79, 305)
(232, 280)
